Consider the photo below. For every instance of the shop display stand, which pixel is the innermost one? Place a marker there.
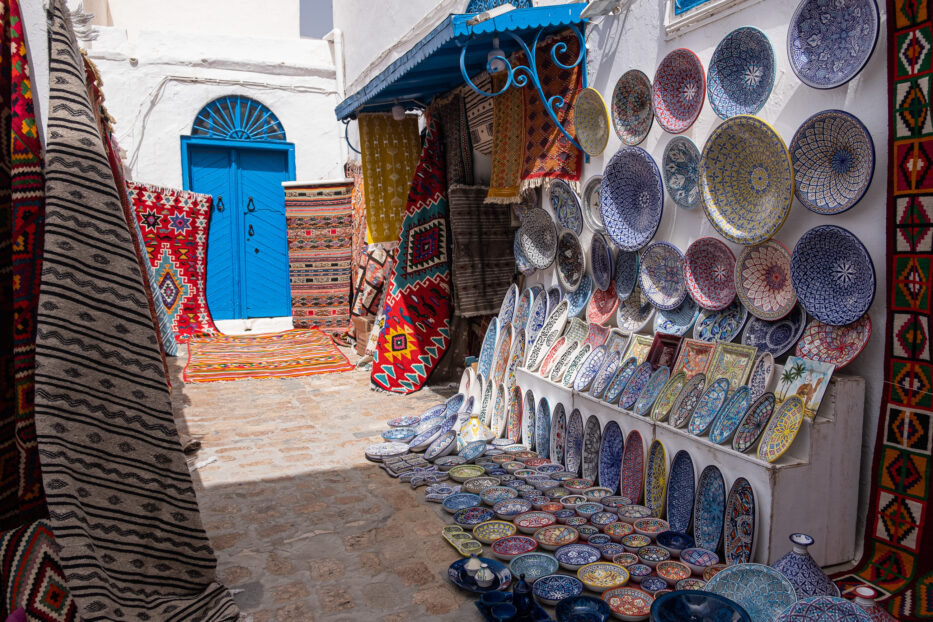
(809, 489)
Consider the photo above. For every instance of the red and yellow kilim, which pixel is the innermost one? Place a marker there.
(288, 354)
(898, 552)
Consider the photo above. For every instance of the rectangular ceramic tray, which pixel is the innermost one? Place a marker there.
(537, 613)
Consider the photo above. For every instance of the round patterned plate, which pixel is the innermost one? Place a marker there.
(543, 428)
(636, 384)
(686, 401)
(633, 467)
(681, 165)
(634, 313)
(760, 377)
(834, 160)
(551, 329)
(709, 268)
(399, 434)
(554, 588)
(823, 608)
(619, 382)
(579, 298)
(573, 447)
(501, 360)
(741, 73)
(709, 508)
(537, 237)
(590, 368)
(591, 214)
(626, 273)
(602, 305)
(536, 318)
(739, 531)
(605, 375)
(592, 437)
(379, 451)
(680, 492)
(602, 576)
(777, 336)
(761, 590)
(521, 261)
(510, 547)
(555, 353)
(662, 406)
(631, 198)
(651, 391)
(530, 522)
(828, 43)
(566, 206)
(507, 308)
(570, 372)
(679, 321)
(838, 345)
(655, 480)
(708, 407)
(833, 275)
(722, 325)
(661, 275)
(591, 121)
(492, 530)
(631, 107)
(528, 420)
(572, 556)
(488, 350)
(571, 261)
(730, 416)
(679, 90)
(558, 434)
(601, 261)
(628, 603)
(753, 423)
(782, 430)
(610, 456)
(468, 518)
(403, 422)
(533, 566)
(746, 180)
(553, 537)
(762, 280)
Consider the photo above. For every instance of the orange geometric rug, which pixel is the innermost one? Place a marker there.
(297, 352)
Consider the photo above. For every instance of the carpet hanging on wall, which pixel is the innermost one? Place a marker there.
(373, 270)
(418, 308)
(508, 145)
(897, 557)
(174, 225)
(390, 153)
(297, 352)
(319, 225)
(124, 510)
(458, 149)
(479, 112)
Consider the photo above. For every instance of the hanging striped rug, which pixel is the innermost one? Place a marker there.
(287, 354)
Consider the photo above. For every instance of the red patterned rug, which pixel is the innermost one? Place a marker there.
(32, 576)
(174, 226)
(418, 308)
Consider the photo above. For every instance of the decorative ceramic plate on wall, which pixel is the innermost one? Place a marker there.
(579, 297)
(488, 350)
(516, 356)
(543, 428)
(633, 467)
(635, 386)
(762, 280)
(760, 378)
(631, 198)
(548, 334)
(730, 416)
(828, 43)
(656, 478)
(651, 391)
(566, 205)
(592, 438)
(513, 429)
(680, 489)
(507, 308)
(626, 273)
(722, 325)
(639, 346)
(501, 361)
(634, 313)
(746, 180)
(679, 90)
(601, 261)
(661, 275)
(733, 362)
(686, 402)
(709, 268)
(537, 237)
(620, 380)
(589, 370)
(833, 275)
(591, 121)
(552, 356)
(668, 395)
(571, 261)
(778, 336)
(573, 448)
(709, 509)
(739, 529)
(528, 419)
(602, 305)
(834, 160)
(537, 315)
(708, 407)
(753, 423)
(554, 294)
(521, 261)
(824, 608)
(596, 334)
(631, 107)
(694, 357)
(563, 361)
(522, 309)
(681, 164)
(591, 213)
(605, 375)
(610, 456)
(679, 321)
(558, 434)
(838, 345)
(741, 73)
(782, 430)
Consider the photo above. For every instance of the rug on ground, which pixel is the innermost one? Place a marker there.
(297, 352)
(898, 554)
(418, 309)
(319, 224)
(174, 226)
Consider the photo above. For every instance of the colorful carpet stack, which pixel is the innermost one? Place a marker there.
(319, 220)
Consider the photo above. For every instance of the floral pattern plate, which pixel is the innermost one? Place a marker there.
(686, 402)
(634, 313)
(537, 315)
(633, 467)
(833, 275)
(590, 369)
(571, 373)
(573, 447)
(739, 531)
(741, 73)
(632, 115)
(611, 449)
(591, 214)
(591, 121)
(602, 305)
(680, 492)
(571, 261)
(746, 180)
(631, 198)
(760, 378)
(679, 321)
(580, 297)
(528, 420)
(762, 280)
(601, 261)
(776, 336)
(753, 423)
(523, 309)
(566, 206)
(661, 275)
(762, 591)
(694, 357)
(639, 346)
(681, 164)
(488, 350)
(628, 603)
(501, 360)
(617, 386)
(592, 438)
(709, 508)
(537, 237)
(605, 375)
(543, 428)
(838, 345)
(730, 416)
(709, 268)
(722, 325)
(513, 428)
(679, 90)
(652, 390)
(600, 576)
(668, 395)
(782, 430)
(507, 308)
(656, 478)
(707, 409)
(558, 434)
(733, 362)
(636, 385)
(824, 608)
(553, 355)
(550, 331)
(626, 273)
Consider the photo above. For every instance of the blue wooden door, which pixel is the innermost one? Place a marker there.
(247, 255)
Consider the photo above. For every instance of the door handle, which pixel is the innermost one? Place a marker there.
(220, 204)
(250, 206)
(251, 232)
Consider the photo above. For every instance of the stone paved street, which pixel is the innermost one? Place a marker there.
(304, 527)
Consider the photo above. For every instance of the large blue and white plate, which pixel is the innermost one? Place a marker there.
(605, 375)
(834, 160)
(681, 164)
(533, 566)
(777, 337)
(761, 590)
(601, 261)
(724, 325)
(634, 313)
(507, 308)
(619, 382)
(680, 489)
(543, 428)
(741, 73)
(571, 261)
(824, 608)
(566, 205)
(679, 321)
(626, 273)
(592, 438)
(833, 275)
(611, 448)
(661, 275)
(521, 261)
(591, 366)
(828, 43)
(631, 198)
(709, 508)
(573, 447)
(488, 350)
(580, 297)
(760, 377)
(708, 407)
(636, 385)
(537, 237)
(651, 391)
(731, 415)
(536, 318)
(558, 433)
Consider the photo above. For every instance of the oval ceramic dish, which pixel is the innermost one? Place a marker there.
(571, 261)
(782, 429)
(681, 165)
(753, 423)
(741, 73)
(709, 268)
(661, 275)
(679, 90)
(631, 198)
(537, 237)
(838, 345)
(632, 115)
(566, 206)
(591, 214)
(591, 121)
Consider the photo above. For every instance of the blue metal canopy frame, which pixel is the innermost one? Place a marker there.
(450, 54)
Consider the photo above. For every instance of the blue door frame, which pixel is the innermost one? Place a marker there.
(238, 204)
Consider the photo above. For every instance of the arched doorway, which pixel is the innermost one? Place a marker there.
(238, 154)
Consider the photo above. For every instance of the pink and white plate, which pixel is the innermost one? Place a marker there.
(709, 268)
(838, 345)
(602, 305)
(679, 90)
(762, 280)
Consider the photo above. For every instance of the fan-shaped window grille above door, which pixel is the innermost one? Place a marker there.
(237, 118)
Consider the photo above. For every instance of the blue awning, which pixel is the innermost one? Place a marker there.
(432, 66)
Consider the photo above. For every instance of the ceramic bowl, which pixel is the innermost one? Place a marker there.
(491, 530)
(597, 493)
(563, 476)
(552, 506)
(553, 537)
(690, 583)
(575, 521)
(634, 541)
(545, 485)
(614, 502)
(628, 604)
(524, 474)
(639, 572)
(539, 501)
(650, 527)
(711, 571)
(548, 468)
(558, 492)
(495, 494)
(552, 589)
(460, 501)
(448, 462)
(598, 539)
(698, 559)
(631, 513)
(589, 508)
(513, 466)
(510, 547)
(564, 514)
(672, 571)
(401, 435)
(625, 559)
(501, 458)
(573, 556)
(618, 530)
(578, 485)
(535, 462)
(652, 555)
(507, 509)
(583, 609)
(465, 471)
(570, 502)
(530, 522)
(602, 576)
(533, 566)
(479, 484)
(611, 550)
(468, 518)
(675, 541)
(587, 530)
(601, 519)
(652, 585)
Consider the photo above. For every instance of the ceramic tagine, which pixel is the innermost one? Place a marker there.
(803, 572)
(475, 430)
(473, 565)
(865, 598)
(484, 576)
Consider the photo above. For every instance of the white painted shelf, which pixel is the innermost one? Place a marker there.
(813, 488)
